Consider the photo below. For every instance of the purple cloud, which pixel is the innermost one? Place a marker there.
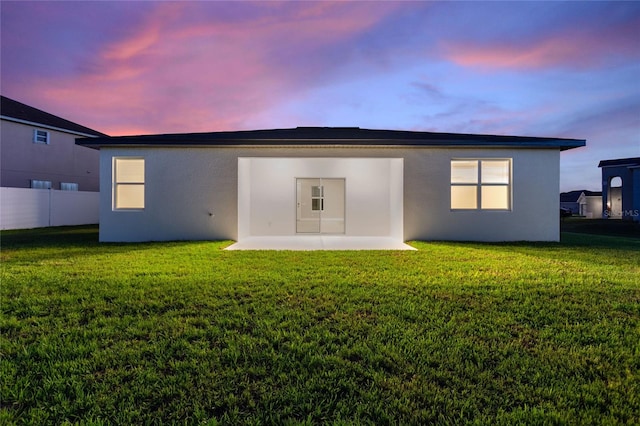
(538, 68)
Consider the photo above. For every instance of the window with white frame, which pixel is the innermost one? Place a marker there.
(128, 183)
(40, 136)
(481, 184)
(68, 186)
(40, 184)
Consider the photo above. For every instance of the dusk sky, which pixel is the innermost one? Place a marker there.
(560, 69)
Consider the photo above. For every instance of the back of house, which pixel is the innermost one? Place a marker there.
(329, 181)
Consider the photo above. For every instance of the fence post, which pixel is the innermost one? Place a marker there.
(50, 205)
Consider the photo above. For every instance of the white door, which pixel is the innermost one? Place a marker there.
(320, 205)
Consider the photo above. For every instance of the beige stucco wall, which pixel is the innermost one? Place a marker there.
(59, 161)
(535, 203)
(192, 193)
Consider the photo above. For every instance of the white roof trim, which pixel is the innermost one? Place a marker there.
(44, 126)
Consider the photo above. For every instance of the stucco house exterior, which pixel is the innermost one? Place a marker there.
(569, 201)
(583, 203)
(590, 203)
(621, 188)
(39, 150)
(353, 182)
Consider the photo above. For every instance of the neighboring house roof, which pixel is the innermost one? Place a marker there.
(16, 111)
(570, 197)
(574, 196)
(589, 194)
(319, 136)
(621, 162)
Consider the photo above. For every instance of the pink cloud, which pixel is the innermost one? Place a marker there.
(179, 73)
(571, 48)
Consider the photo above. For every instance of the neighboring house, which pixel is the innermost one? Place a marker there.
(315, 180)
(39, 151)
(569, 201)
(621, 188)
(590, 204)
(582, 203)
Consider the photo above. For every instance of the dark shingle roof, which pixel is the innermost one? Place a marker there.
(19, 111)
(572, 196)
(319, 136)
(634, 162)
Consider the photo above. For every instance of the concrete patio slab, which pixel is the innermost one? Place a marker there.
(319, 242)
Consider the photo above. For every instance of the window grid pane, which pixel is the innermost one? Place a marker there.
(464, 197)
(130, 197)
(317, 198)
(129, 170)
(495, 171)
(495, 197)
(464, 171)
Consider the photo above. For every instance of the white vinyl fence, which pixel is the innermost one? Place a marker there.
(23, 208)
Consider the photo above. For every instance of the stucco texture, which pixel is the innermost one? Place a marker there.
(59, 161)
(191, 193)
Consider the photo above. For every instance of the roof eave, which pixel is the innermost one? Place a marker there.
(622, 162)
(49, 127)
(563, 144)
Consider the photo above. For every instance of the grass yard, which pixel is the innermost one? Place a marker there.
(186, 333)
(611, 227)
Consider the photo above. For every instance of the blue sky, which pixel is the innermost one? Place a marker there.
(563, 69)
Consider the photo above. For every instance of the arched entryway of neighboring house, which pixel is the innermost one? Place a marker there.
(614, 198)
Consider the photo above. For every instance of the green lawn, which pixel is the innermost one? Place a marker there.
(186, 333)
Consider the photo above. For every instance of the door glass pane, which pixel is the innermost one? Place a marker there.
(307, 207)
(333, 206)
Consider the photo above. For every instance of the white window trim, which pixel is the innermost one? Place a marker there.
(38, 134)
(478, 185)
(115, 184)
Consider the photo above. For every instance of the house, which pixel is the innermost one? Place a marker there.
(582, 203)
(590, 204)
(621, 188)
(39, 150)
(351, 182)
(569, 201)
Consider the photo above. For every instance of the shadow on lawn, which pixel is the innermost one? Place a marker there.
(82, 240)
(596, 249)
(84, 236)
(77, 241)
(609, 227)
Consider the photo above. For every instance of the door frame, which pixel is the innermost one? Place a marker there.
(344, 205)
